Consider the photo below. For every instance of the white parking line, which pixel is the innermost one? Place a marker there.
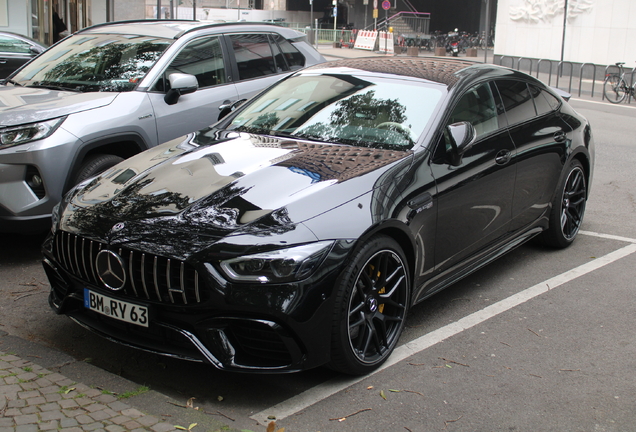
(335, 385)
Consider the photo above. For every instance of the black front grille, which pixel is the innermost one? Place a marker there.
(148, 276)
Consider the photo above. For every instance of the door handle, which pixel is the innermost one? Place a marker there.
(559, 136)
(503, 157)
(421, 202)
(226, 104)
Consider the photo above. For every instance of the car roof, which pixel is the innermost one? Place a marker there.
(173, 29)
(439, 70)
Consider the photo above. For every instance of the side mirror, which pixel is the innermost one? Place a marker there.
(34, 49)
(462, 136)
(227, 108)
(180, 84)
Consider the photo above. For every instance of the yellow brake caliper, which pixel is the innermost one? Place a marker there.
(382, 291)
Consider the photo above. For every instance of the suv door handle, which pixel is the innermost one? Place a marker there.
(226, 105)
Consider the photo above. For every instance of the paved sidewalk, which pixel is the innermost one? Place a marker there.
(34, 399)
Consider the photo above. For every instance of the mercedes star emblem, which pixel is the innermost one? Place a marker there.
(111, 269)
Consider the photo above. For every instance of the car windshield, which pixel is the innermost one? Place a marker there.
(96, 62)
(363, 111)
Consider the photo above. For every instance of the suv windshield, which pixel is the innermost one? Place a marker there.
(95, 62)
(356, 110)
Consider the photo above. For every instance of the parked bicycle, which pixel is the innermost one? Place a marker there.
(616, 88)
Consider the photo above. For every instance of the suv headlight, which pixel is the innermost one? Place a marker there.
(16, 135)
(278, 266)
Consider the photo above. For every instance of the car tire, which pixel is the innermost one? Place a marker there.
(568, 208)
(94, 165)
(370, 308)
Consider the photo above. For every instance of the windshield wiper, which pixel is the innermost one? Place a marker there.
(10, 81)
(304, 137)
(54, 87)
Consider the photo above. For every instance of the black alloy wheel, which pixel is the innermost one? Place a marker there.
(568, 208)
(372, 303)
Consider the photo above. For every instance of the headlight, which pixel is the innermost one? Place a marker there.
(283, 265)
(17, 135)
(55, 217)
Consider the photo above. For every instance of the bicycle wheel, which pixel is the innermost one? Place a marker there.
(615, 88)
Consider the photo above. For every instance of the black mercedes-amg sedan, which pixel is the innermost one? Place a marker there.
(299, 229)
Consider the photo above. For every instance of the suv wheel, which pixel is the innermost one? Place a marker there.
(94, 165)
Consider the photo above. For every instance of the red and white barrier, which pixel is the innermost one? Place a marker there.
(386, 43)
(366, 39)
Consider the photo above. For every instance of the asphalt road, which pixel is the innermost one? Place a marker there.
(541, 340)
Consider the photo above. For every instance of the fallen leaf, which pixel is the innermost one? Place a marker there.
(382, 394)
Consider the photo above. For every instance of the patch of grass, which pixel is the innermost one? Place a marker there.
(129, 394)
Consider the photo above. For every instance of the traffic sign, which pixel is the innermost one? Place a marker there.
(386, 5)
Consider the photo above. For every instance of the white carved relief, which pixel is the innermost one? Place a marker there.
(545, 10)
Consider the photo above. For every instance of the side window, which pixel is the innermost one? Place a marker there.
(544, 101)
(253, 54)
(202, 58)
(294, 58)
(12, 45)
(517, 101)
(279, 60)
(477, 106)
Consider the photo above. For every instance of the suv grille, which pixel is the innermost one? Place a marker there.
(148, 276)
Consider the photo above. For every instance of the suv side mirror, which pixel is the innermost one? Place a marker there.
(462, 136)
(180, 84)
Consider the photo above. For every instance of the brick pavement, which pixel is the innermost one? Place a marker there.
(34, 399)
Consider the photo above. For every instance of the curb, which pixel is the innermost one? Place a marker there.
(59, 393)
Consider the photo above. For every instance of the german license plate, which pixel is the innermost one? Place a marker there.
(114, 308)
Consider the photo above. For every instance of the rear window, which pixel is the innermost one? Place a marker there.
(517, 101)
(253, 54)
(293, 57)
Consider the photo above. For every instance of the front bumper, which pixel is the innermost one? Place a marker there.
(233, 328)
(25, 205)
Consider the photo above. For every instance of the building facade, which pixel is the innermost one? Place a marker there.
(595, 31)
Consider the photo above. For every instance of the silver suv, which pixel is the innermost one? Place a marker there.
(110, 91)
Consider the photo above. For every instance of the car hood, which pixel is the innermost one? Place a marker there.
(22, 105)
(218, 183)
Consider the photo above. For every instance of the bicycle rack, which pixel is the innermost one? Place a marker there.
(607, 68)
(518, 62)
(593, 77)
(520, 59)
(549, 71)
(560, 67)
(512, 61)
